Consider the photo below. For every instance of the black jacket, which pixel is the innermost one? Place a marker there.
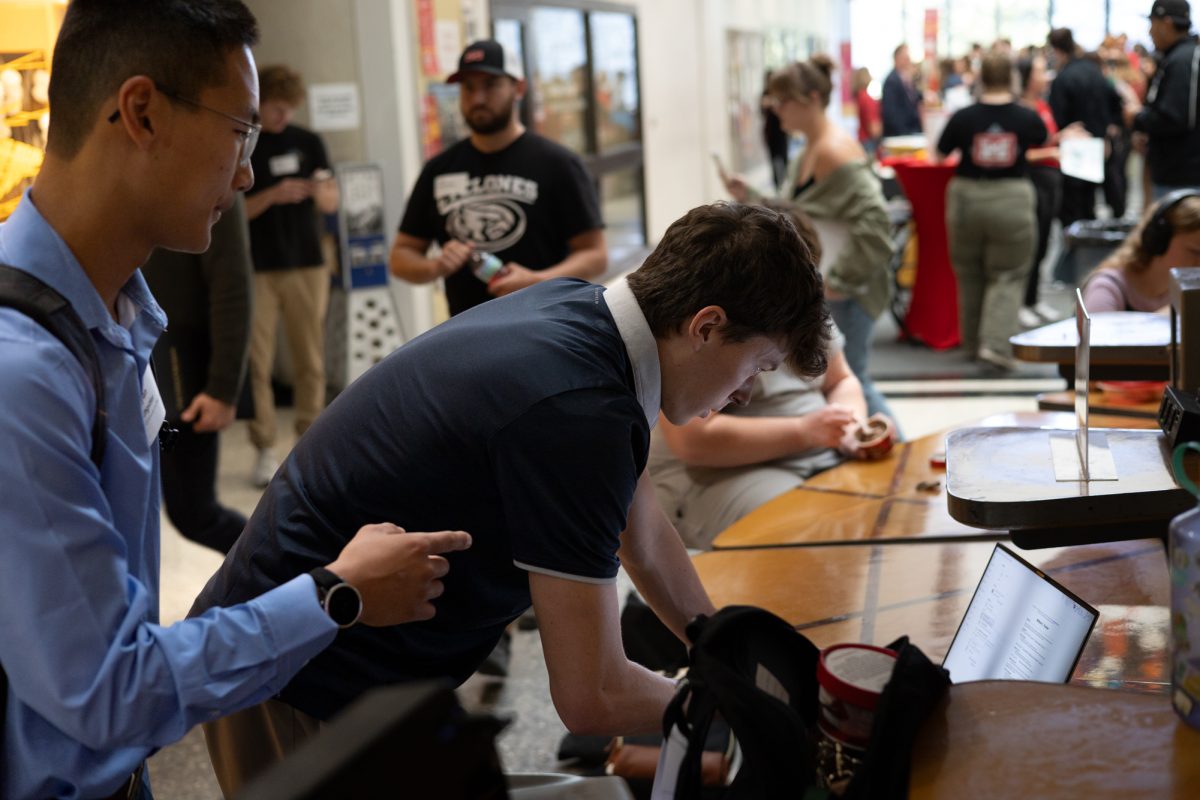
(1081, 93)
(900, 106)
(207, 298)
(1170, 117)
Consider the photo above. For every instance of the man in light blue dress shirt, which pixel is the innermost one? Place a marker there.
(154, 122)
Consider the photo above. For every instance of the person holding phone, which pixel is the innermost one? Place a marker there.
(503, 190)
(292, 184)
(831, 181)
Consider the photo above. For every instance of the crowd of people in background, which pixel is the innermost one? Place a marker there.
(1006, 111)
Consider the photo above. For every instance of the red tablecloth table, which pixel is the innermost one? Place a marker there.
(932, 316)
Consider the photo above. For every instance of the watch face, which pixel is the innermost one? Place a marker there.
(343, 604)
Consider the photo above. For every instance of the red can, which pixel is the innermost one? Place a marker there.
(850, 678)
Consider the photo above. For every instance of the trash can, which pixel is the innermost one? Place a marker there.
(1086, 243)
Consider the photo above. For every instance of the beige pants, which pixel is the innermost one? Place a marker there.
(992, 235)
(301, 296)
(245, 744)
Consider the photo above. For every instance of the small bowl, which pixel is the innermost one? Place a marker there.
(875, 436)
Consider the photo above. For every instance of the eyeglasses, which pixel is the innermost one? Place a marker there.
(248, 132)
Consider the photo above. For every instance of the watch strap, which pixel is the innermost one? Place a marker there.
(325, 580)
(329, 584)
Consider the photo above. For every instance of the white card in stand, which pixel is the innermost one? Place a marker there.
(1083, 366)
(1082, 456)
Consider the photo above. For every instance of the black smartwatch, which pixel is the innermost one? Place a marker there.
(341, 601)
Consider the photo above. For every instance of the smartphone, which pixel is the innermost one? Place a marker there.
(322, 174)
(720, 167)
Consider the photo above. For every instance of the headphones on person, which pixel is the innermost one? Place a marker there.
(1156, 235)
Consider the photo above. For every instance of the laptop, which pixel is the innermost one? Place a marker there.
(1021, 625)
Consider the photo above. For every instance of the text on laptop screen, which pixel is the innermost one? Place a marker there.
(1019, 626)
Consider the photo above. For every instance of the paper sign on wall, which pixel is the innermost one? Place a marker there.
(333, 106)
(448, 43)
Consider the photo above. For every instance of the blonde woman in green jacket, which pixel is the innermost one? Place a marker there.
(832, 182)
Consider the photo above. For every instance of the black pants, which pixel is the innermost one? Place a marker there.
(189, 478)
(1115, 189)
(1078, 201)
(1047, 183)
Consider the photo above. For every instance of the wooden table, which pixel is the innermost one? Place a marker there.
(1004, 739)
(1129, 345)
(1118, 337)
(876, 593)
(878, 500)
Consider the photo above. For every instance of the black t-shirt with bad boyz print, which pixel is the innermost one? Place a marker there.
(523, 204)
(992, 139)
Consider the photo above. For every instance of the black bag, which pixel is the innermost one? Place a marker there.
(761, 675)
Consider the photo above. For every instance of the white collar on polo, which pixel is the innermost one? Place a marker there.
(639, 343)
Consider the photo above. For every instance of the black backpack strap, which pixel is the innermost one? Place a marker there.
(760, 674)
(33, 298)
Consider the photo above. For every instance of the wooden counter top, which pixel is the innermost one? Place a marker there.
(1010, 739)
(876, 593)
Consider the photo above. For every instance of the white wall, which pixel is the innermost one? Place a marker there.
(682, 45)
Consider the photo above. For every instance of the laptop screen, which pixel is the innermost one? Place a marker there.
(1020, 625)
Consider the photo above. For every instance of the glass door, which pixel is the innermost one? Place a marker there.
(581, 64)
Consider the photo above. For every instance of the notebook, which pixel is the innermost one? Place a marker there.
(1021, 625)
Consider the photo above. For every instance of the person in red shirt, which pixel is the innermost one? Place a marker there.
(1047, 183)
(870, 123)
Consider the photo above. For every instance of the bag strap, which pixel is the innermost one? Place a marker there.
(21, 291)
(32, 297)
(694, 724)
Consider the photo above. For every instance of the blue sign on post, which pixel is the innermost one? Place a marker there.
(366, 257)
(363, 321)
(364, 240)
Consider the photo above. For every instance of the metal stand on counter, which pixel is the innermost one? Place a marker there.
(1056, 488)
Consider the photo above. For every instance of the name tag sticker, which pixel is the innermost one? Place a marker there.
(286, 164)
(153, 410)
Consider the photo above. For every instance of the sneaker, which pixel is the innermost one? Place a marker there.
(1028, 318)
(264, 468)
(998, 360)
(1047, 312)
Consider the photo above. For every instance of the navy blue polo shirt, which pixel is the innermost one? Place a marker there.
(518, 421)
